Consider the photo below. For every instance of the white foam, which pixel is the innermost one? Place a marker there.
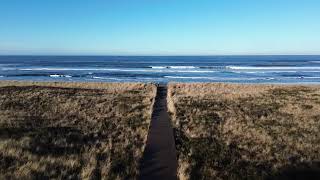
(162, 70)
(273, 68)
(303, 77)
(55, 75)
(269, 78)
(250, 72)
(187, 77)
(59, 76)
(183, 67)
(106, 78)
(173, 67)
(217, 78)
(314, 77)
(187, 69)
(158, 67)
(264, 72)
(312, 71)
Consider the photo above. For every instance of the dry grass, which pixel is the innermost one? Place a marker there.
(230, 131)
(73, 130)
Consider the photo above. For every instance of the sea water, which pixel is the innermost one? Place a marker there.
(163, 69)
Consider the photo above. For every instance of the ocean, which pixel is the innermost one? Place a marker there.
(163, 69)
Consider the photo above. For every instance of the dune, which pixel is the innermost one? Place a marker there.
(73, 130)
(234, 131)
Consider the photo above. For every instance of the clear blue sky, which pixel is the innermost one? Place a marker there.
(159, 27)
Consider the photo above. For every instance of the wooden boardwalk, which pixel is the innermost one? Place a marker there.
(159, 160)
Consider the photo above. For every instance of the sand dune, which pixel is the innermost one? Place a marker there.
(232, 131)
(73, 130)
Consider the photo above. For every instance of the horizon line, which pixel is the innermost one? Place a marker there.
(168, 55)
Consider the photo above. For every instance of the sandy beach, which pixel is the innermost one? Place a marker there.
(73, 130)
(232, 131)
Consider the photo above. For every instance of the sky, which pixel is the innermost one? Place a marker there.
(159, 27)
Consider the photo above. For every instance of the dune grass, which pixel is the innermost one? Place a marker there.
(73, 130)
(231, 131)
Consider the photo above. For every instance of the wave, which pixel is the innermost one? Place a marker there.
(38, 75)
(264, 72)
(62, 69)
(27, 75)
(164, 70)
(269, 68)
(158, 67)
(187, 67)
(105, 69)
(212, 67)
(105, 78)
(315, 77)
(317, 62)
(173, 67)
(187, 77)
(241, 79)
(302, 77)
(218, 78)
(118, 70)
(236, 69)
(272, 68)
(59, 76)
(7, 69)
(183, 67)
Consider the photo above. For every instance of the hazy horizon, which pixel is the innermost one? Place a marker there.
(160, 55)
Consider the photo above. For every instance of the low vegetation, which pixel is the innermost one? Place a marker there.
(230, 131)
(73, 130)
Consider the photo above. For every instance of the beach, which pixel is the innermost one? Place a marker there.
(100, 130)
(234, 131)
(73, 130)
(160, 90)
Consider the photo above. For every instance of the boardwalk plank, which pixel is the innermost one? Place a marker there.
(159, 160)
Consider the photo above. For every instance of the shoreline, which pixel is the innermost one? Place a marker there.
(97, 83)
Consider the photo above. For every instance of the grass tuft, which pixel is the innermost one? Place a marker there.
(73, 130)
(233, 131)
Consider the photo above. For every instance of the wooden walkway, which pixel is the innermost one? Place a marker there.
(159, 160)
